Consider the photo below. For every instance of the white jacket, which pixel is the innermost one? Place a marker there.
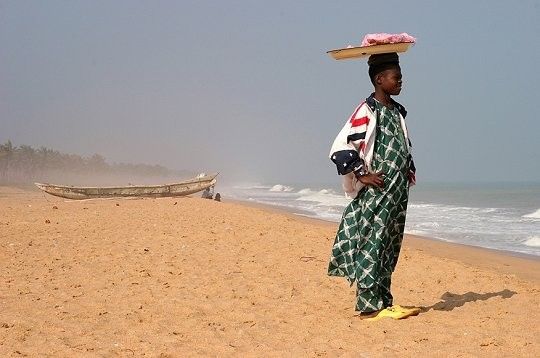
(352, 150)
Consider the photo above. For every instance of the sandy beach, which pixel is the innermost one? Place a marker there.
(192, 277)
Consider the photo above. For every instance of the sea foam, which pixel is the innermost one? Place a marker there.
(533, 241)
(282, 188)
(324, 197)
(535, 215)
(508, 223)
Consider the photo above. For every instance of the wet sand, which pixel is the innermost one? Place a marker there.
(188, 276)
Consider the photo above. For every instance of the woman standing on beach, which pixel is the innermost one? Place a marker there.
(373, 153)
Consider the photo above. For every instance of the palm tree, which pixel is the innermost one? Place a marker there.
(26, 161)
(6, 156)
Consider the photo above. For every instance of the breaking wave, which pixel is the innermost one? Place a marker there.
(533, 241)
(473, 221)
(281, 188)
(535, 215)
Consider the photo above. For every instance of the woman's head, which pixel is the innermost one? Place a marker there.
(385, 72)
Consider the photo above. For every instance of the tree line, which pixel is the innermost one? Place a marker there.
(25, 164)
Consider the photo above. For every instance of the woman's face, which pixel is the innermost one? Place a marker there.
(391, 81)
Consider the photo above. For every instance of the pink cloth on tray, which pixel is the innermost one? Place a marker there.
(384, 38)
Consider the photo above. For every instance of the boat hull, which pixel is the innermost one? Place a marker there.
(149, 191)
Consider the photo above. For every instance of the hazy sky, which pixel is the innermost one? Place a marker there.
(246, 87)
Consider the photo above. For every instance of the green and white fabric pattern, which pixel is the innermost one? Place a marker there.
(369, 237)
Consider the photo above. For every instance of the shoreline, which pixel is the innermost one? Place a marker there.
(506, 261)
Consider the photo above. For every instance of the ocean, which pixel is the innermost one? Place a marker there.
(495, 216)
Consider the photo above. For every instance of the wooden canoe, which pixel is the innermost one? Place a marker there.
(148, 191)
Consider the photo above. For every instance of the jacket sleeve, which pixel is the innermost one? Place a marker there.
(348, 147)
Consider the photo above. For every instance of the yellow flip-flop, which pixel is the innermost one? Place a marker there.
(394, 313)
(413, 310)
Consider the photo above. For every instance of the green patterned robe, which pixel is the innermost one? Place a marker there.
(369, 237)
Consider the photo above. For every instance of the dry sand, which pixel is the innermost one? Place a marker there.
(187, 276)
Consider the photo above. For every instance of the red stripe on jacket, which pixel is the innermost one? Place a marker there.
(359, 121)
(362, 146)
(356, 111)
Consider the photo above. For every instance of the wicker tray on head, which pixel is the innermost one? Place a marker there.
(365, 51)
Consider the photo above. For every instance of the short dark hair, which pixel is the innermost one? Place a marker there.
(382, 62)
(376, 69)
